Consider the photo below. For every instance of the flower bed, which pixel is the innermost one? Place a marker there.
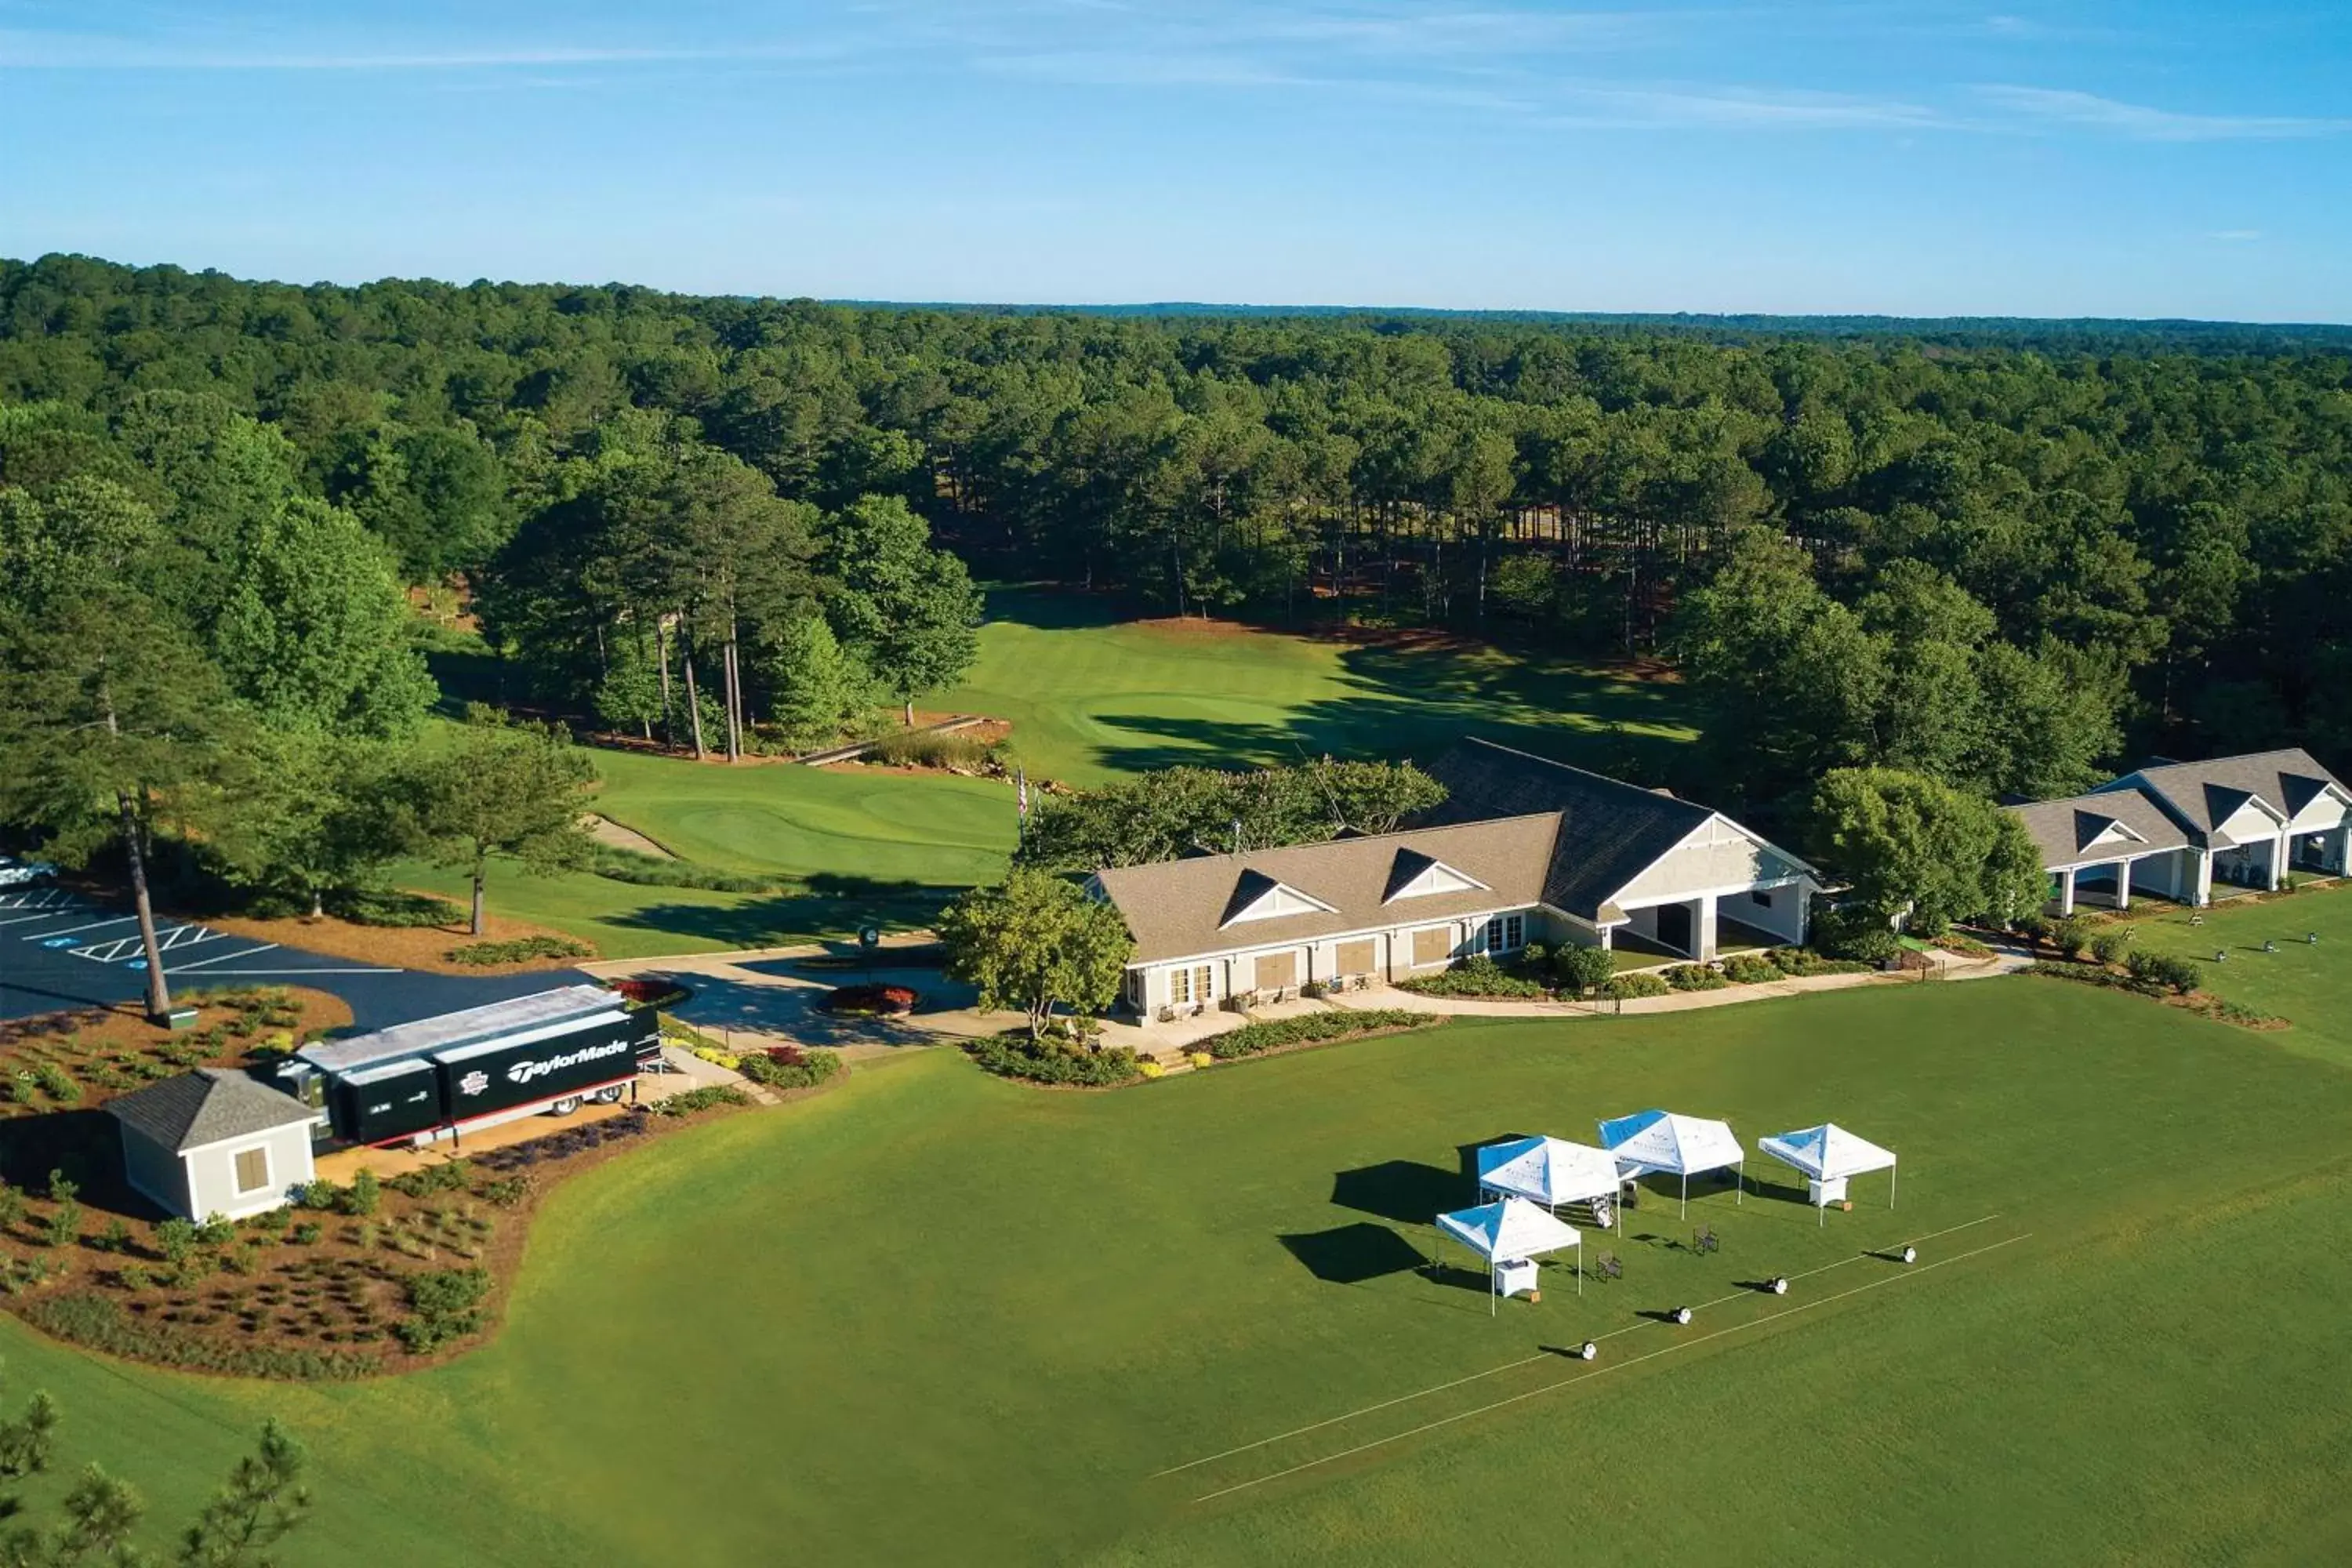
(872, 1001)
(1479, 979)
(788, 1067)
(1016, 1056)
(655, 993)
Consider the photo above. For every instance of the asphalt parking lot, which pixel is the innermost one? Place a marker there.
(59, 948)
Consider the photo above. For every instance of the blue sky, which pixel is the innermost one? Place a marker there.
(2085, 159)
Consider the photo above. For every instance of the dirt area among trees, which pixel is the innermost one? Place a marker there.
(425, 947)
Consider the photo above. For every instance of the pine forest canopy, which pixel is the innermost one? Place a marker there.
(2016, 551)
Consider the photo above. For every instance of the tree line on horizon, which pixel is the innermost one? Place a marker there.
(2003, 562)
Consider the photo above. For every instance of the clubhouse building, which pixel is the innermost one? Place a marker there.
(2173, 829)
(1522, 850)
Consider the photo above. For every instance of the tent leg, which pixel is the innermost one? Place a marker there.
(1890, 1186)
(1579, 1266)
(1685, 1195)
(1739, 1179)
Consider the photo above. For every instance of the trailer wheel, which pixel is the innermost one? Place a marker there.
(564, 1107)
(609, 1095)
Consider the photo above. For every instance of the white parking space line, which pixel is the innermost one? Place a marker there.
(166, 940)
(255, 971)
(39, 899)
(69, 931)
(221, 958)
(63, 912)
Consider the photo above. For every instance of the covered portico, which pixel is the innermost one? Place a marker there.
(2101, 850)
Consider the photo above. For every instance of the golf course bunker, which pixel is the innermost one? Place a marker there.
(604, 830)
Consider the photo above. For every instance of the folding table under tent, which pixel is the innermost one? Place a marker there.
(1512, 1232)
(1684, 1146)
(1547, 1171)
(1828, 1155)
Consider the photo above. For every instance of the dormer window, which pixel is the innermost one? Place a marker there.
(1418, 876)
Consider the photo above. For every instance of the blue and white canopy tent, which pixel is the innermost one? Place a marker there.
(1512, 1232)
(1828, 1155)
(1683, 1146)
(1547, 1171)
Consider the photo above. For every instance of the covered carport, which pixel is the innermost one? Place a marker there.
(2101, 849)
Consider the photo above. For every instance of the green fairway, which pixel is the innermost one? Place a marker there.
(1091, 696)
(937, 1317)
(857, 845)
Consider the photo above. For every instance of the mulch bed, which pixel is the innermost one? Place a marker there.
(872, 1001)
(409, 947)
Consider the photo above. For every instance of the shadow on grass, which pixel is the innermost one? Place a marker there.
(1352, 1254)
(826, 908)
(1401, 1190)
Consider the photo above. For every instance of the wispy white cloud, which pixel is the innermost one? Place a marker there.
(21, 49)
(2236, 235)
(1742, 109)
(2140, 124)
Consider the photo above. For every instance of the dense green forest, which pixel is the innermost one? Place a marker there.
(2001, 559)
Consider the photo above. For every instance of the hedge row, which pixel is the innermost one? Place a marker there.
(1016, 1056)
(1313, 1028)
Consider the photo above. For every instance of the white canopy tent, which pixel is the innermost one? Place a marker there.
(1683, 1146)
(1828, 1155)
(1511, 1231)
(1547, 1171)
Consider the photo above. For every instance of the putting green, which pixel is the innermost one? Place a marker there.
(935, 1317)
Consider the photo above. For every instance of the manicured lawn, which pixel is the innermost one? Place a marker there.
(937, 1317)
(2303, 982)
(1090, 698)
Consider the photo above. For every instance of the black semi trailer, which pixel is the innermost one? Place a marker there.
(436, 1077)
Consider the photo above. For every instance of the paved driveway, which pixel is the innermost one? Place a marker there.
(59, 948)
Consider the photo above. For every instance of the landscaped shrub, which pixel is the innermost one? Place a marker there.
(2109, 946)
(446, 1305)
(58, 1084)
(2246, 1017)
(1314, 1029)
(449, 1176)
(650, 992)
(1476, 977)
(1803, 962)
(2164, 968)
(100, 1322)
(1642, 983)
(370, 906)
(1582, 969)
(1014, 1056)
(902, 748)
(1695, 977)
(1857, 934)
(789, 1067)
(702, 1098)
(521, 949)
(1750, 969)
(2071, 935)
(640, 869)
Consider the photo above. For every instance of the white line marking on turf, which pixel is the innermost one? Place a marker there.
(1603, 1372)
(1540, 1355)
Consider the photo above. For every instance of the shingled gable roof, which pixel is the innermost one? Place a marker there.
(208, 1106)
(1609, 831)
(1180, 909)
(2204, 795)
(2067, 831)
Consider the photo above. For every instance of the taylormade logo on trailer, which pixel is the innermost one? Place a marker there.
(523, 1072)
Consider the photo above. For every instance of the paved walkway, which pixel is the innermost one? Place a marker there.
(772, 996)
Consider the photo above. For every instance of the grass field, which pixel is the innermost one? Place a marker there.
(937, 1317)
(1091, 698)
(2302, 981)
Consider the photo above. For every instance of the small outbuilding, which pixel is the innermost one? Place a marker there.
(214, 1142)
